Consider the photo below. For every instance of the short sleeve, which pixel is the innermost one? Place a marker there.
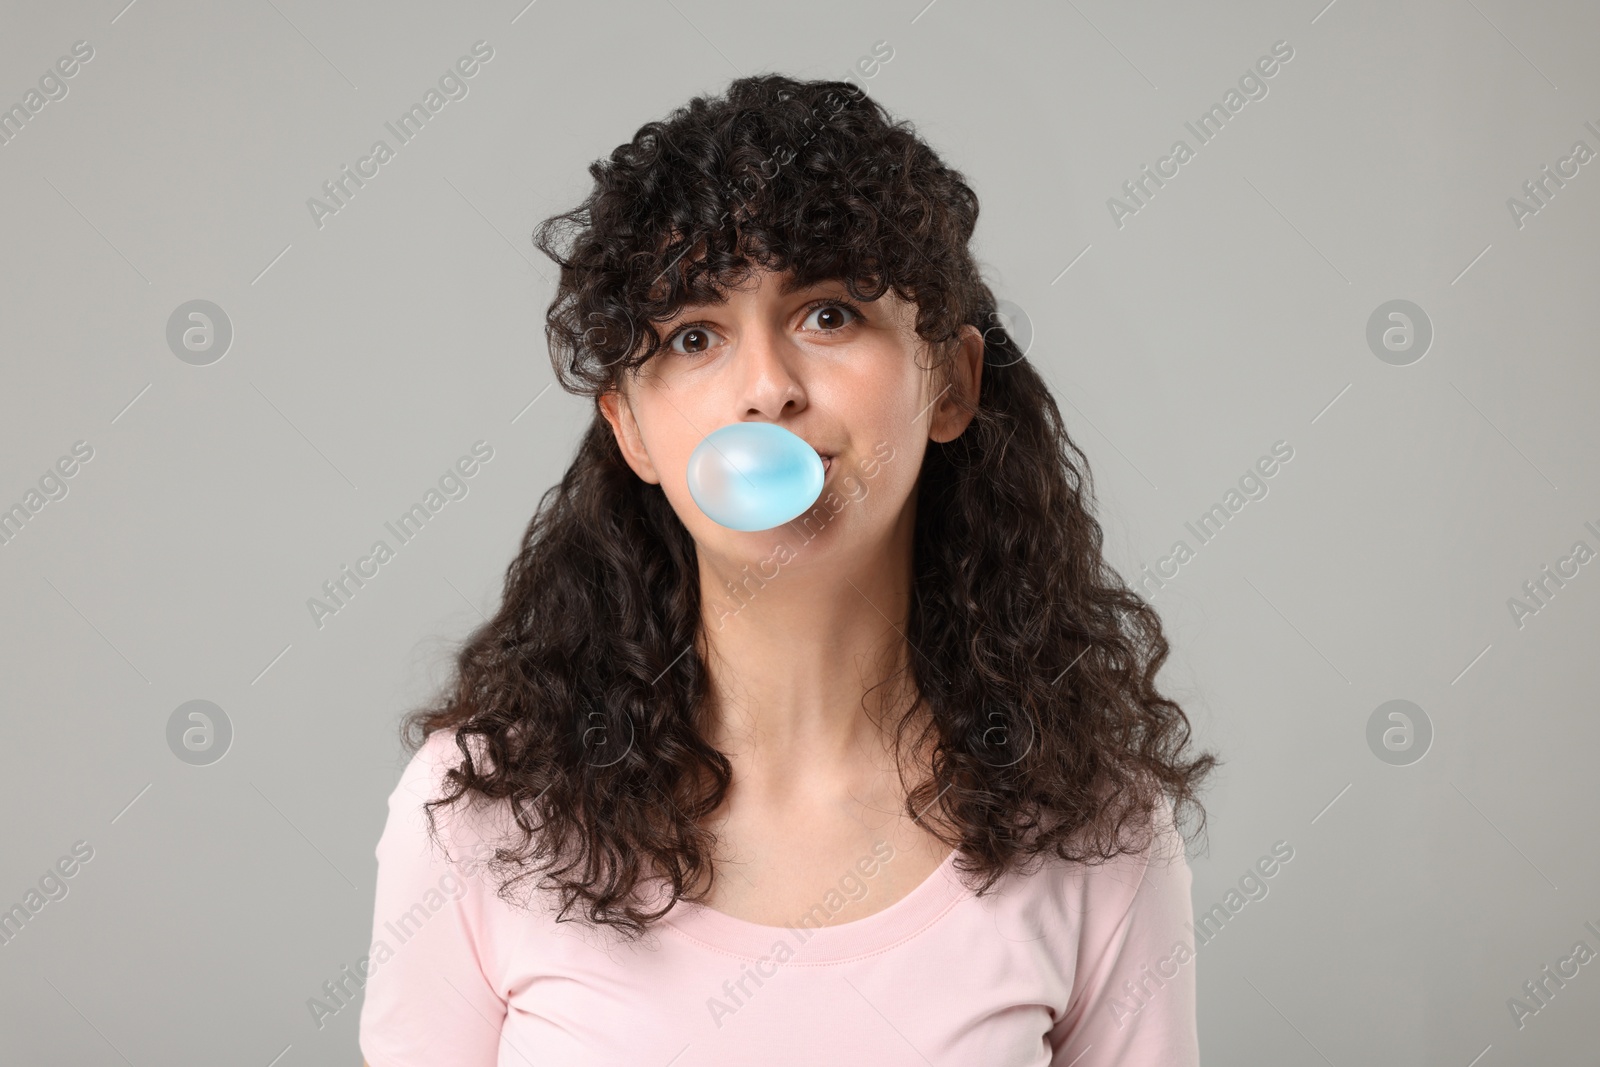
(430, 1000)
(1133, 997)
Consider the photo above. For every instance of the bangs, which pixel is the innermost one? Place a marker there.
(808, 180)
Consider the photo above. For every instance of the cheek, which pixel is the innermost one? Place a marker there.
(886, 482)
(883, 400)
(672, 465)
(667, 434)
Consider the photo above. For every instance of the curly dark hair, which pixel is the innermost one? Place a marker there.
(1035, 665)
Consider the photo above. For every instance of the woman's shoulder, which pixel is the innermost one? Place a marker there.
(464, 828)
(426, 771)
(1094, 896)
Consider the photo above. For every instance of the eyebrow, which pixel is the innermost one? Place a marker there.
(792, 285)
(788, 287)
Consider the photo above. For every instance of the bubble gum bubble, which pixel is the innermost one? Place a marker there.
(754, 475)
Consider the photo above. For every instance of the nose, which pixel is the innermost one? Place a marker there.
(769, 383)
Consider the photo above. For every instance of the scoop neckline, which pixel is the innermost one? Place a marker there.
(926, 902)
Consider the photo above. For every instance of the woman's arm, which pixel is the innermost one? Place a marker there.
(428, 999)
(1133, 999)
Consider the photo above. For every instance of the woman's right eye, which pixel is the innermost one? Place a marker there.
(692, 340)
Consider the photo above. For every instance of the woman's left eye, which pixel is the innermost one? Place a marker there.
(834, 316)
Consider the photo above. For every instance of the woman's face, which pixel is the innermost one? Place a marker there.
(850, 378)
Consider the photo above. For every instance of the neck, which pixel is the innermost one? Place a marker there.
(800, 657)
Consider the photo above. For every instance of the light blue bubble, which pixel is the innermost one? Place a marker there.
(754, 475)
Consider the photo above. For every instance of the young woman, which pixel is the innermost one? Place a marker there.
(890, 783)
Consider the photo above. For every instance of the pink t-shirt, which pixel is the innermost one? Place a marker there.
(1087, 966)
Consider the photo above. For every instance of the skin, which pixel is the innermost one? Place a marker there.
(792, 660)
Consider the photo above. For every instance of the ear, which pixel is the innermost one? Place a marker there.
(953, 410)
(619, 413)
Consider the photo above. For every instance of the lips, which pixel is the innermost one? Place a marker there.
(827, 462)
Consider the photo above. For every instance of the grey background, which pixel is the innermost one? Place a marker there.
(368, 355)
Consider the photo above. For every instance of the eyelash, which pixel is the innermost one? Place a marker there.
(811, 307)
